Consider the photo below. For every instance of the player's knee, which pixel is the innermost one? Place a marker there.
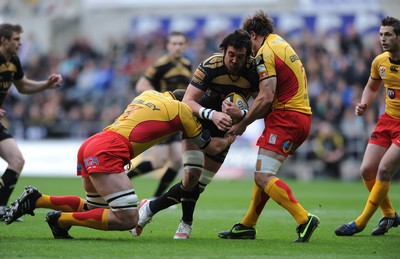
(205, 178)
(367, 173)
(262, 179)
(123, 200)
(267, 165)
(384, 174)
(16, 163)
(190, 179)
(193, 160)
(124, 204)
(94, 200)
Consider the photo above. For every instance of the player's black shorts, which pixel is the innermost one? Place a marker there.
(4, 134)
(215, 132)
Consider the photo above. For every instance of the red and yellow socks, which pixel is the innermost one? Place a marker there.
(96, 218)
(377, 195)
(63, 203)
(386, 205)
(258, 200)
(281, 193)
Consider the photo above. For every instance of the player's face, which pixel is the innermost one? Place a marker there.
(12, 45)
(234, 59)
(389, 41)
(176, 46)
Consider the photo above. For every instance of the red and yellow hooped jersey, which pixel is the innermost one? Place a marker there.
(276, 58)
(152, 117)
(387, 70)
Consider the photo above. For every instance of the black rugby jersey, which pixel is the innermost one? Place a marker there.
(213, 78)
(168, 74)
(9, 71)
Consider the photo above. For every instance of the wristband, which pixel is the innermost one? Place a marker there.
(244, 112)
(206, 113)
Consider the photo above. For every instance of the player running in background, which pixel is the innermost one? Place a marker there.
(283, 103)
(111, 201)
(214, 78)
(11, 73)
(382, 155)
(171, 71)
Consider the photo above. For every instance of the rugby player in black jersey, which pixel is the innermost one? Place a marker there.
(11, 73)
(217, 76)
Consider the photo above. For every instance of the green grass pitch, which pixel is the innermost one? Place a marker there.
(223, 204)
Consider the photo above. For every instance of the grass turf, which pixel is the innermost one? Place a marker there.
(223, 204)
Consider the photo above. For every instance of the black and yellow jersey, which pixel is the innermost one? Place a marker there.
(168, 74)
(153, 117)
(213, 78)
(9, 71)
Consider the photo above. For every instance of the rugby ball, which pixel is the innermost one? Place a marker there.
(237, 99)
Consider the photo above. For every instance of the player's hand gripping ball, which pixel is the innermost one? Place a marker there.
(241, 109)
(238, 99)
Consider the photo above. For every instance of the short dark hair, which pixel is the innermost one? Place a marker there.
(260, 23)
(7, 30)
(393, 22)
(237, 39)
(176, 33)
(179, 93)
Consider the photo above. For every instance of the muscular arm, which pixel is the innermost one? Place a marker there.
(260, 107)
(192, 95)
(213, 145)
(369, 94)
(28, 86)
(191, 98)
(217, 145)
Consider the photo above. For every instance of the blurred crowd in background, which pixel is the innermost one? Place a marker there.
(99, 84)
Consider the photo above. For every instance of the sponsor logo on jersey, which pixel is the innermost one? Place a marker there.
(261, 68)
(391, 93)
(272, 139)
(287, 146)
(394, 69)
(264, 75)
(382, 71)
(197, 80)
(142, 102)
(259, 60)
(262, 71)
(91, 161)
(198, 77)
(199, 74)
(294, 57)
